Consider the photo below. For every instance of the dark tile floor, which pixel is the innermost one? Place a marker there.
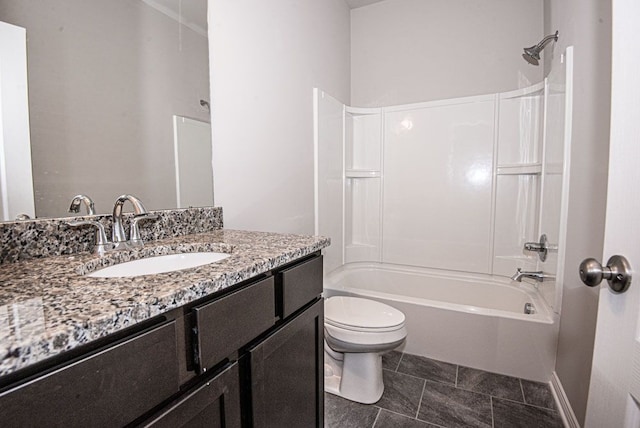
(420, 392)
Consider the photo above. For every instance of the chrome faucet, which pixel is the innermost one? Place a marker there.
(118, 235)
(538, 275)
(79, 200)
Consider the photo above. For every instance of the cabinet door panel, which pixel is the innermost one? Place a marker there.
(109, 388)
(300, 285)
(213, 404)
(287, 374)
(226, 324)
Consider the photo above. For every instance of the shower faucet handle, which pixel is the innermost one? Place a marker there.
(542, 247)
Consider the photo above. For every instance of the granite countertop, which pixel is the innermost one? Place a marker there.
(48, 307)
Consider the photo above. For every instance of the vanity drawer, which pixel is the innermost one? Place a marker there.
(109, 388)
(300, 284)
(228, 323)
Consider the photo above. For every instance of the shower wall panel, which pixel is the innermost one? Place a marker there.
(362, 232)
(520, 130)
(363, 140)
(363, 163)
(516, 222)
(555, 175)
(329, 176)
(438, 178)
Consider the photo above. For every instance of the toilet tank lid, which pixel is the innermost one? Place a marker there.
(358, 312)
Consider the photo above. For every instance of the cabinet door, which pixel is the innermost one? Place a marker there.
(215, 403)
(287, 378)
(111, 387)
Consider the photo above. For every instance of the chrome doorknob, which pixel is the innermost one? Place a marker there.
(617, 272)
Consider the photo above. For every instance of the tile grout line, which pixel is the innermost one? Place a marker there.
(524, 399)
(468, 390)
(493, 423)
(528, 405)
(399, 361)
(424, 386)
(456, 382)
(431, 424)
(424, 378)
(377, 416)
(409, 417)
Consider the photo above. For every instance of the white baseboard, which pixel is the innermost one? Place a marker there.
(562, 402)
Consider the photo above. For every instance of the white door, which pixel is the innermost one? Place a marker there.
(615, 376)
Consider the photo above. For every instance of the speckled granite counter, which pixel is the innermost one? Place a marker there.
(47, 306)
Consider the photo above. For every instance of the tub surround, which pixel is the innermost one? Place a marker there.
(48, 307)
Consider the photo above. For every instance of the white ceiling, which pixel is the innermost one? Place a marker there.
(353, 4)
(192, 13)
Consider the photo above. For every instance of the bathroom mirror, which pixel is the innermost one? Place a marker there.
(105, 80)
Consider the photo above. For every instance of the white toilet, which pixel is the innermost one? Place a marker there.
(357, 333)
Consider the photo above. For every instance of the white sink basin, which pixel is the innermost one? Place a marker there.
(158, 264)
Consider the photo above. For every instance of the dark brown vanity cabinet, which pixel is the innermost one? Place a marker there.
(249, 356)
(109, 387)
(298, 285)
(230, 322)
(214, 403)
(286, 374)
(270, 334)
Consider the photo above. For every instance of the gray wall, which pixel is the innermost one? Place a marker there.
(266, 57)
(105, 78)
(586, 25)
(405, 51)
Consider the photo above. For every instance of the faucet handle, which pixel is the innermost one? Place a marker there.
(135, 240)
(542, 247)
(102, 244)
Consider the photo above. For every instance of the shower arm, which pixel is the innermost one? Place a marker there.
(546, 40)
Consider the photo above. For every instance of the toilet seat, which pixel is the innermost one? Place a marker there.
(357, 332)
(362, 315)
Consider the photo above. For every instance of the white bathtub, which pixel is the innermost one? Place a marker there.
(476, 321)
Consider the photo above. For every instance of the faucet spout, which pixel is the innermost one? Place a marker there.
(518, 276)
(538, 275)
(78, 200)
(119, 237)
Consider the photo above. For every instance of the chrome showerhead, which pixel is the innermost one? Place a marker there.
(532, 54)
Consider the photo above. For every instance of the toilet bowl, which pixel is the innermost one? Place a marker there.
(357, 332)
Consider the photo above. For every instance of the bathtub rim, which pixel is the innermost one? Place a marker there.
(543, 314)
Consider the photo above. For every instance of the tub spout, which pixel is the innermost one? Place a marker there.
(538, 275)
(517, 276)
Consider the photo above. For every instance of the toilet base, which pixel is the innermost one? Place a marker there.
(358, 377)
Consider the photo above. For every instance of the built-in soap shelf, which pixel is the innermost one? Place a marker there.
(362, 173)
(520, 169)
